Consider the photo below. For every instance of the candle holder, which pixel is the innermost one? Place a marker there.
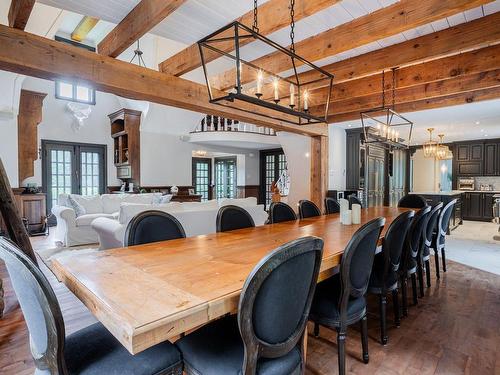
(292, 106)
(276, 101)
(258, 95)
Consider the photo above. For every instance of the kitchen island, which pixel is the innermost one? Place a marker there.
(435, 197)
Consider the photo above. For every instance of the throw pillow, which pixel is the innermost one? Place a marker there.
(77, 207)
(165, 198)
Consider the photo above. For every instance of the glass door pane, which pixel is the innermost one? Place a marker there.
(60, 179)
(202, 177)
(225, 177)
(90, 165)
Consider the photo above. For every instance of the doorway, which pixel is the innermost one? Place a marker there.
(272, 165)
(72, 168)
(202, 177)
(225, 177)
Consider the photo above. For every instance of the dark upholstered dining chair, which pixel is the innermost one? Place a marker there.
(411, 253)
(440, 237)
(233, 217)
(429, 233)
(308, 209)
(384, 277)
(412, 201)
(89, 351)
(332, 206)
(152, 226)
(268, 335)
(340, 300)
(354, 200)
(279, 212)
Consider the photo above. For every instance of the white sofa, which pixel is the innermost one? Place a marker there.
(73, 230)
(197, 218)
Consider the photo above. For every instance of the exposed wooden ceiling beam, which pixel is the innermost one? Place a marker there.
(401, 16)
(19, 13)
(472, 82)
(146, 15)
(32, 55)
(272, 16)
(421, 105)
(464, 37)
(473, 62)
(83, 28)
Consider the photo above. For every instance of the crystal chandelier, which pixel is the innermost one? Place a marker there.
(430, 147)
(443, 152)
(234, 79)
(384, 125)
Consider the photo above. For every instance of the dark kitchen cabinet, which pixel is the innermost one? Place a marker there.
(353, 145)
(462, 152)
(478, 206)
(469, 159)
(491, 159)
(470, 168)
(473, 206)
(476, 152)
(488, 206)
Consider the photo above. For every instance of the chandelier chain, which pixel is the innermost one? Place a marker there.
(292, 25)
(393, 88)
(383, 89)
(255, 26)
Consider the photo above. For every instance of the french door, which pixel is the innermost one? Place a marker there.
(272, 165)
(72, 168)
(202, 177)
(225, 177)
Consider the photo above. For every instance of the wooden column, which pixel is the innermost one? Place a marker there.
(30, 115)
(319, 170)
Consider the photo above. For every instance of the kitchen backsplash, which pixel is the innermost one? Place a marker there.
(493, 181)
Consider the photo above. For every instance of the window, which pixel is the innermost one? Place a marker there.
(75, 93)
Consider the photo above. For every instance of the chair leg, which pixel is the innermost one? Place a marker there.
(395, 305)
(316, 329)
(414, 288)
(443, 259)
(383, 320)
(404, 295)
(341, 333)
(420, 274)
(428, 272)
(436, 260)
(364, 339)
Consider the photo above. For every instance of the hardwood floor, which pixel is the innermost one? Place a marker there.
(455, 329)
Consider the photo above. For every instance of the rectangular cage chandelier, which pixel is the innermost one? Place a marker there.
(384, 125)
(230, 61)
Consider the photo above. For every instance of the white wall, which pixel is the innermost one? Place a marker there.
(336, 157)
(425, 173)
(57, 122)
(297, 149)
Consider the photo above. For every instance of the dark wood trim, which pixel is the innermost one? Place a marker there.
(262, 171)
(245, 191)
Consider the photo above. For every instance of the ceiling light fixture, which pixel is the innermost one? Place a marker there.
(138, 55)
(443, 152)
(280, 90)
(430, 146)
(384, 125)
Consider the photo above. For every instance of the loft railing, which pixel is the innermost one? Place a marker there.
(219, 124)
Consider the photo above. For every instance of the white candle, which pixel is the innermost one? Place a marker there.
(259, 82)
(292, 95)
(347, 217)
(356, 214)
(276, 89)
(306, 101)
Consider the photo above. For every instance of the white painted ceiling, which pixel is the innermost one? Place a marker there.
(462, 122)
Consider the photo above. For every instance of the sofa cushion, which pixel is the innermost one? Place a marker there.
(87, 219)
(129, 210)
(240, 202)
(77, 207)
(111, 202)
(91, 203)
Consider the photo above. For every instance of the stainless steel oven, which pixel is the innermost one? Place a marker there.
(466, 183)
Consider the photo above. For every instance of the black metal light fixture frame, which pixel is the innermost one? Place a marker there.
(239, 32)
(387, 117)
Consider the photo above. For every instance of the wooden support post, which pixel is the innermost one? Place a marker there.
(319, 170)
(12, 217)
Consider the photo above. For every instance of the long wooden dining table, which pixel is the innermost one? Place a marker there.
(150, 293)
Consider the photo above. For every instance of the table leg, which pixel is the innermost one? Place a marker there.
(304, 345)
